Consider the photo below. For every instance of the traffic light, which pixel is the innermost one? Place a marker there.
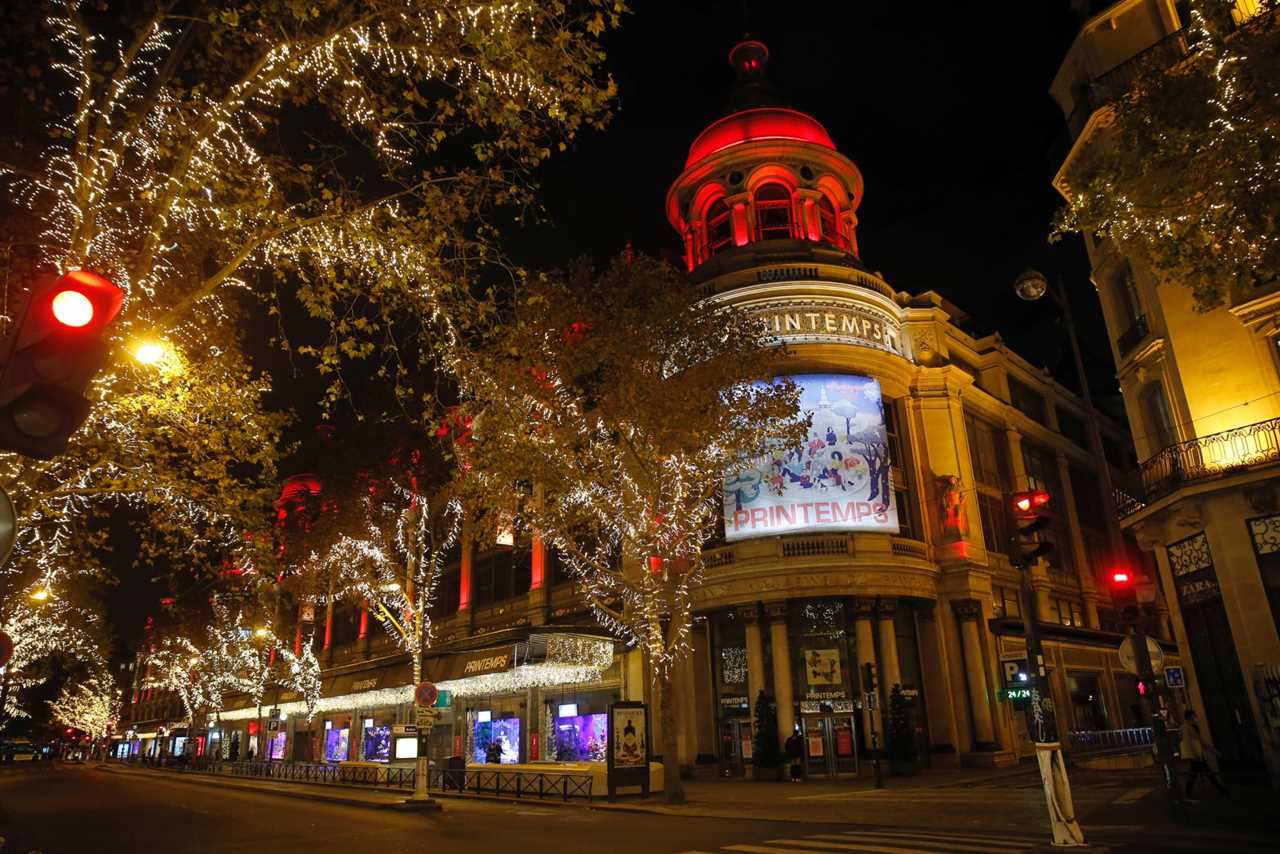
(1031, 514)
(56, 347)
(870, 679)
(1124, 594)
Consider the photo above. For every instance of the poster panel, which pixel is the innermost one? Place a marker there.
(629, 738)
(838, 480)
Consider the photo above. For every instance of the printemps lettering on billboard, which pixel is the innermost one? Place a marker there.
(837, 481)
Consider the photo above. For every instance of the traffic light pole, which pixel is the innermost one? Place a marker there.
(1043, 727)
(1158, 713)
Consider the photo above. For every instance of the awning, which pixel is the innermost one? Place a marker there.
(544, 660)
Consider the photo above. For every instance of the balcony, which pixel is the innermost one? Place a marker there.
(1111, 85)
(1133, 336)
(1201, 459)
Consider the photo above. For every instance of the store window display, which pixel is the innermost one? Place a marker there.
(337, 739)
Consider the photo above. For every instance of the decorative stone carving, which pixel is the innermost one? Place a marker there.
(951, 497)
(835, 582)
(1187, 515)
(1149, 535)
(776, 610)
(886, 607)
(864, 609)
(749, 613)
(967, 609)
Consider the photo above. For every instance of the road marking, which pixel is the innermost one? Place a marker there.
(960, 840)
(1134, 795)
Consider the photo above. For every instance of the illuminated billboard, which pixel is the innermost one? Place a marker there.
(837, 481)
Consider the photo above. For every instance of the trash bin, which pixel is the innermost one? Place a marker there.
(455, 775)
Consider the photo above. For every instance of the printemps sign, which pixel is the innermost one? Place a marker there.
(799, 321)
(837, 481)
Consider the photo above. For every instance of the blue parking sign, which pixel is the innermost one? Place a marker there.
(1173, 677)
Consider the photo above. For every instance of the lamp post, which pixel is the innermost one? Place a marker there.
(1031, 286)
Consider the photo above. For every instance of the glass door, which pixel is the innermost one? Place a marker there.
(830, 745)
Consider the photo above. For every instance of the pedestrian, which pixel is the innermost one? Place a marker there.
(1204, 758)
(795, 754)
(493, 753)
(249, 756)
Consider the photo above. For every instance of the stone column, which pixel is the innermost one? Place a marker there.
(937, 693)
(750, 615)
(782, 684)
(968, 612)
(863, 616)
(1084, 572)
(890, 671)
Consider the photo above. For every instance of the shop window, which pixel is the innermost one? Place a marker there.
(337, 739)
(829, 223)
(1089, 711)
(719, 227)
(277, 745)
(376, 742)
(495, 739)
(773, 212)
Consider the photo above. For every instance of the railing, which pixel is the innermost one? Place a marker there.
(815, 546)
(1210, 456)
(1096, 741)
(1112, 84)
(1133, 336)
(564, 785)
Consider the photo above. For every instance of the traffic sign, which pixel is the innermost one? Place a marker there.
(1174, 677)
(1127, 656)
(6, 649)
(426, 694)
(425, 718)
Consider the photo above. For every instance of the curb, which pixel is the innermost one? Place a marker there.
(197, 778)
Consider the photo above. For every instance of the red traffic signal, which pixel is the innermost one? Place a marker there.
(57, 346)
(1121, 578)
(1026, 504)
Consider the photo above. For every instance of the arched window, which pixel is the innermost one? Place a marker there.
(773, 212)
(829, 224)
(719, 227)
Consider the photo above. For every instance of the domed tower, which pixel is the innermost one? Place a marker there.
(764, 183)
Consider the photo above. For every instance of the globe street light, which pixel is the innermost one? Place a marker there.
(1031, 285)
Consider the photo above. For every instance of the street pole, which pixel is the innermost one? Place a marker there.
(1043, 727)
(1158, 716)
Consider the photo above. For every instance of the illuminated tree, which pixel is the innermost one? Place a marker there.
(91, 706)
(43, 633)
(393, 523)
(336, 157)
(625, 402)
(1186, 172)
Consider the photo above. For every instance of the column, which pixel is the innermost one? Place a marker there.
(937, 693)
(538, 588)
(782, 683)
(703, 689)
(466, 548)
(864, 639)
(968, 612)
(890, 671)
(750, 615)
(1084, 572)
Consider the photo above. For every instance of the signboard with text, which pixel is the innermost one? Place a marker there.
(628, 747)
(837, 480)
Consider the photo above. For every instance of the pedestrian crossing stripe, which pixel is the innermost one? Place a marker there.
(885, 842)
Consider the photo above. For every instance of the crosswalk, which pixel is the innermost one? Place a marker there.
(886, 842)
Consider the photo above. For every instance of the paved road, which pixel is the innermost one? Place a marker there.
(83, 809)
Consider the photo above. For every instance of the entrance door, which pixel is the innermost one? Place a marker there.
(830, 745)
(735, 747)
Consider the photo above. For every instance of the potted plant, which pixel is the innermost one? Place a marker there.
(767, 758)
(901, 735)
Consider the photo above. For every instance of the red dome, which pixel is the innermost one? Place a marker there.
(760, 123)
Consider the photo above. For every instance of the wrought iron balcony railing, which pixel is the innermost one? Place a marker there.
(1133, 336)
(1205, 457)
(1165, 53)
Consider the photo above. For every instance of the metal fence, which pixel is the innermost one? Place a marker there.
(480, 780)
(1209, 456)
(520, 784)
(1094, 741)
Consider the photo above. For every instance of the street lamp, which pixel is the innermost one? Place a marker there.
(1031, 285)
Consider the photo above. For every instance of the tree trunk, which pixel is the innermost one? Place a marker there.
(672, 785)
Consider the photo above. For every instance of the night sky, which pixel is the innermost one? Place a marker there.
(944, 107)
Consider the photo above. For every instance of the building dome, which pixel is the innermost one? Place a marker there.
(764, 178)
(757, 124)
